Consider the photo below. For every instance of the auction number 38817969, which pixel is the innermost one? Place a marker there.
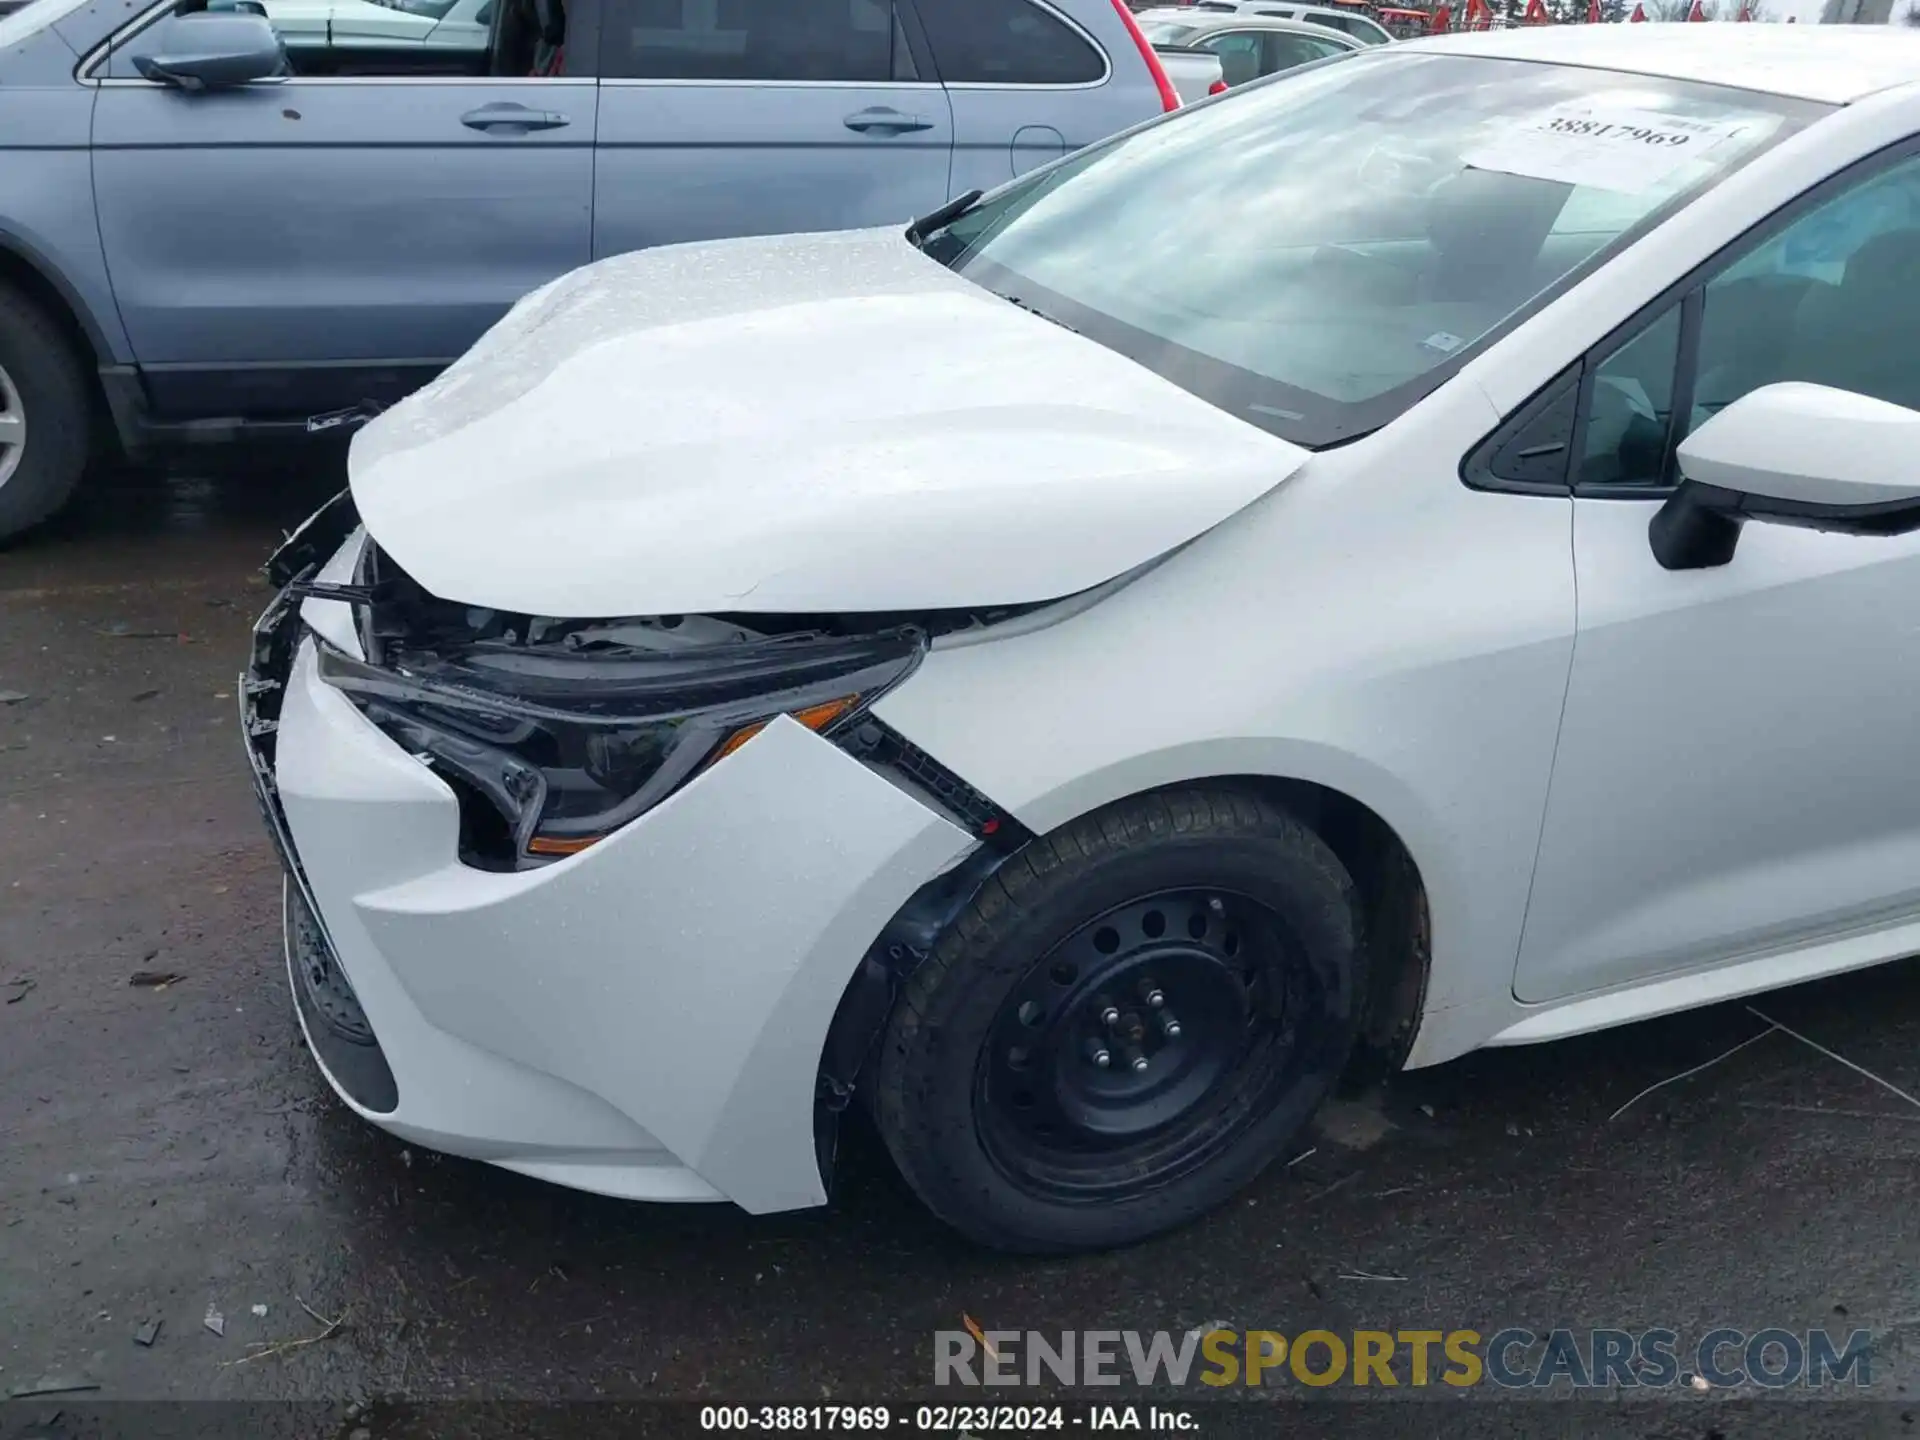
(936, 1419)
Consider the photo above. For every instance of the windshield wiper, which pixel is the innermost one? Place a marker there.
(920, 229)
(1036, 310)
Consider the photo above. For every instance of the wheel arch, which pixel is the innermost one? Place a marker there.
(1394, 903)
(27, 270)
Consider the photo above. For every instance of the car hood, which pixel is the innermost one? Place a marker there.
(795, 424)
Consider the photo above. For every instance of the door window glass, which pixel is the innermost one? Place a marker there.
(836, 40)
(1631, 409)
(389, 37)
(1006, 42)
(1832, 299)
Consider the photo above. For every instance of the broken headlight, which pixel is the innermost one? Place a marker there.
(551, 749)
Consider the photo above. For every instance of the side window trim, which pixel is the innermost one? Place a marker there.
(1686, 375)
(906, 21)
(1086, 37)
(1689, 292)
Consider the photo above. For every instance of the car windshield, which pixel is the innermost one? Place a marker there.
(1321, 250)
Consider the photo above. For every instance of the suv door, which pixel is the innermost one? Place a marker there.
(1030, 83)
(290, 246)
(1738, 769)
(756, 117)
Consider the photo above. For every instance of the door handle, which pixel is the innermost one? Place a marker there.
(511, 119)
(884, 117)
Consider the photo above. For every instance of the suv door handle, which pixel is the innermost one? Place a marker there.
(508, 118)
(885, 117)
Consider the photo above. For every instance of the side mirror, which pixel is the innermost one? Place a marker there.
(1791, 454)
(214, 51)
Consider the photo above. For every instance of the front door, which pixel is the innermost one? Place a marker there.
(1739, 766)
(722, 118)
(289, 246)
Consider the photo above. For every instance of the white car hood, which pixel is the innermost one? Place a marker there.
(800, 424)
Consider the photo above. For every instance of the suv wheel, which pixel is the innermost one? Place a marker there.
(1130, 1020)
(45, 415)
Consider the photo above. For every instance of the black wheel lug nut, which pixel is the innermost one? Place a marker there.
(1109, 1015)
(1136, 1058)
(1151, 994)
(1099, 1054)
(1169, 1024)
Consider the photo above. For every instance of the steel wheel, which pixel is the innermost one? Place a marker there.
(1140, 1046)
(1125, 1024)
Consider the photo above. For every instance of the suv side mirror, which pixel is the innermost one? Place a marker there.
(1791, 454)
(214, 50)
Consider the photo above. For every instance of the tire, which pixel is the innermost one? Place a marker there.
(41, 379)
(1170, 905)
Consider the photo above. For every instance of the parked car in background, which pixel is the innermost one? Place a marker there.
(1195, 74)
(1248, 46)
(452, 24)
(1349, 21)
(206, 230)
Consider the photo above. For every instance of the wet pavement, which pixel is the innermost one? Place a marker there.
(167, 1149)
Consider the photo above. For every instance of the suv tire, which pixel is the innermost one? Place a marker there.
(45, 395)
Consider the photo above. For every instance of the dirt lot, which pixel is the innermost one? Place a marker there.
(168, 1149)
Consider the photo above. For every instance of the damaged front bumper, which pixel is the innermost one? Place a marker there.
(645, 1018)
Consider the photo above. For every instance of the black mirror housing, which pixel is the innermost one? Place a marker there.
(1699, 526)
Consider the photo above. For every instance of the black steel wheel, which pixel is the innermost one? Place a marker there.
(1130, 1019)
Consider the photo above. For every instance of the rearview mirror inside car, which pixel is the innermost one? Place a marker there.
(1791, 454)
(214, 50)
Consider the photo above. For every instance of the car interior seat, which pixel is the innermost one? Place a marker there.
(1486, 229)
(1863, 334)
(549, 37)
(1237, 66)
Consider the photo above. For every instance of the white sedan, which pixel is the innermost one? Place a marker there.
(1412, 555)
(373, 24)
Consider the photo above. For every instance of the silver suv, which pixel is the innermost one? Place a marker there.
(209, 227)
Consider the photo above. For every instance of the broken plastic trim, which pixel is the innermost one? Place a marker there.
(562, 746)
(314, 541)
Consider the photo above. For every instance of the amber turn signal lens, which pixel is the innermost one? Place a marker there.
(546, 845)
(814, 717)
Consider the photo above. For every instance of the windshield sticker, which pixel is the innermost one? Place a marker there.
(1631, 151)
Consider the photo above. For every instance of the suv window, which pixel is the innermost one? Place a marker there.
(1007, 42)
(1833, 299)
(845, 40)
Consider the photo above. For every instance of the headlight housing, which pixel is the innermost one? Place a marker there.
(551, 749)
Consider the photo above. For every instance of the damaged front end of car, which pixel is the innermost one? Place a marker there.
(555, 733)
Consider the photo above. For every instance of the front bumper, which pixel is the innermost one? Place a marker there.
(643, 1019)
